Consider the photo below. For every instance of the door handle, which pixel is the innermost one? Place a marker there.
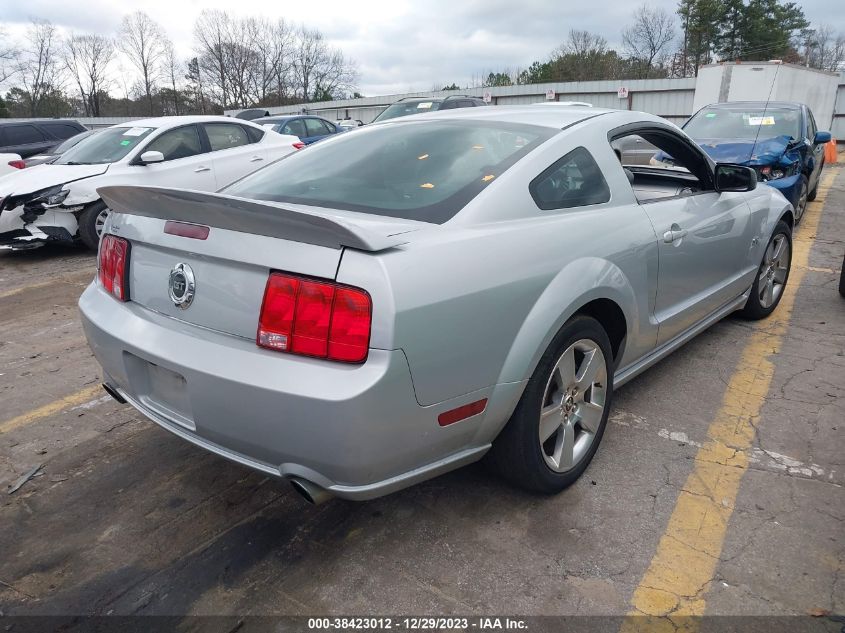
(255, 159)
(674, 234)
(202, 168)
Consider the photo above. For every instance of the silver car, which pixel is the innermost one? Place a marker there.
(396, 303)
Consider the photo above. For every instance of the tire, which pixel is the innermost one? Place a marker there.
(518, 454)
(812, 195)
(803, 196)
(89, 226)
(772, 276)
(842, 279)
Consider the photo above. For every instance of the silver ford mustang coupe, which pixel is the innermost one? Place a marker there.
(395, 303)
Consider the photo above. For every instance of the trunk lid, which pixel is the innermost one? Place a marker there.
(246, 240)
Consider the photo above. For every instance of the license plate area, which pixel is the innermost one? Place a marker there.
(163, 391)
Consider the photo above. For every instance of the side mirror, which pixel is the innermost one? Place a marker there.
(152, 157)
(735, 178)
(821, 138)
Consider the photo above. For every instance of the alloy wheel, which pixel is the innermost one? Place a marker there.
(773, 271)
(573, 405)
(802, 202)
(100, 221)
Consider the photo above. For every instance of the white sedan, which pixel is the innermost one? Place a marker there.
(59, 201)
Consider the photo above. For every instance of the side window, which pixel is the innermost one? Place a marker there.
(23, 135)
(316, 127)
(811, 126)
(61, 130)
(179, 143)
(573, 181)
(254, 134)
(225, 135)
(295, 127)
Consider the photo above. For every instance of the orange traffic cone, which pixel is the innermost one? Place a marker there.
(830, 151)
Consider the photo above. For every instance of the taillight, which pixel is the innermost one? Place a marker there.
(315, 318)
(299, 145)
(17, 164)
(113, 266)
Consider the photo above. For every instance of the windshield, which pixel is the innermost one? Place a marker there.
(404, 108)
(723, 123)
(104, 147)
(415, 171)
(61, 148)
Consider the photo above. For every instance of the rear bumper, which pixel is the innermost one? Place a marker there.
(357, 431)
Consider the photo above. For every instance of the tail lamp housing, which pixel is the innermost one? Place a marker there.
(315, 318)
(113, 266)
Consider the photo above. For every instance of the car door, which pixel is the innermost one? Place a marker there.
(233, 153)
(25, 139)
(187, 163)
(817, 158)
(704, 238)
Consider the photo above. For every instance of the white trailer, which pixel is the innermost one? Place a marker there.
(768, 81)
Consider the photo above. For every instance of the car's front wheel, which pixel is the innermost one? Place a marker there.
(801, 204)
(559, 421)
(772, 275)
(812, 195)
(91, 221)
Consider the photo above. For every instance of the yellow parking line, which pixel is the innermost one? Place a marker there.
(80, 278)
(683, 566)
(47, 410)
(15, 291)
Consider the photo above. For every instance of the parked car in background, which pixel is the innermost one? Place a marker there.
(59, 201)
(349, 124)
(53, 153)
(308, 128)
(29, 138)
(10, 163)
(422, 105)
(252, 114)
(328, 318)
(779, 140)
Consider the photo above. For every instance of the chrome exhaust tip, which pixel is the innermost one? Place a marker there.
(312, 493)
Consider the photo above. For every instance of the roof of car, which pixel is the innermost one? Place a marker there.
(741, 105)
(529, 115)
(286, 117)
(171, 121)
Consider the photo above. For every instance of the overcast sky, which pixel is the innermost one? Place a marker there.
(399, 45)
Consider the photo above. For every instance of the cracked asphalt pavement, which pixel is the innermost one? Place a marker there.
(124, 518)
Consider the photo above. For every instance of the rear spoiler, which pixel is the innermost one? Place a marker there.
(247, 216)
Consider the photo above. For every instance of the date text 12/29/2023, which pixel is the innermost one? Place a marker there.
(480, 623)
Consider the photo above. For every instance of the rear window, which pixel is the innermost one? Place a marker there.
(424, 171)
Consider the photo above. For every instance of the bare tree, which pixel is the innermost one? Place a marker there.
(38, 66)
(7, 56)
(825, 49)
(172, 68)
(210, 42)
(649, 36)
(143, 42)
(583, 44)
(87, 58)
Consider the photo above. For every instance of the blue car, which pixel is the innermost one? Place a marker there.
(308, 128)
(779, 140)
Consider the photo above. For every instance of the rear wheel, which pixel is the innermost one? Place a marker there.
(560, 419)
(772, 275)
(92, 220)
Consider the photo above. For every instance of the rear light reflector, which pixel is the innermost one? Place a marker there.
(315, 318)
(299, 145)
(113, 266)
(184, 229)
(462, 413)
(17, 164)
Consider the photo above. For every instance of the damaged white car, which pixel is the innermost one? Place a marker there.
(59, 201)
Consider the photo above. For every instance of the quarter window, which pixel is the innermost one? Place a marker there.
(316, 127)
(179, 143)
(225, 135)
(573, 181)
